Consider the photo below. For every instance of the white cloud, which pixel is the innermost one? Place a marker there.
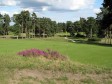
(16, 12)
(28, 9)
(9, 2)
(55, 5)
(9, 13)
(45, 8)
(96, 10)
(4, 12)
(69, 4)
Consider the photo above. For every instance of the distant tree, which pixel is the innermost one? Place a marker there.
(53, 29)
(15, 29)
(70, 28)
(1, 24)
(92, 26)
(77, 27)
(82, 24)
(34, 22)
(18, 24)
(6, 24)
(61, 27)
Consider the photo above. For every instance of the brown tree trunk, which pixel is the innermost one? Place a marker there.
(111, 34)
(91, 35)
(110, 37)
(22, 30)
(34, 30)
(39, 33)
(32, 34)
(26, 30)
(105, 37)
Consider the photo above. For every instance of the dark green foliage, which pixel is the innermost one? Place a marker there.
(105, 20)
(94, 39)
(15, 29)
(80, 36)
(70, 28)
(92, 26)
(29, 23)
(1, 24)
(46, 26)
(4, 24)
(89, 27)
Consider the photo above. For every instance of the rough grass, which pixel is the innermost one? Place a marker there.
(44, 71)
(91, 64)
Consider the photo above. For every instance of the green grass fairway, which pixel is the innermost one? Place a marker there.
(82, 53)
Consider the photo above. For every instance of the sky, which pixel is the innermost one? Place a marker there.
(58, 10)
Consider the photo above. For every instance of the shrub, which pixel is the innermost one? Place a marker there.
(49, 54)
(55, 54)
(94, 39)
(80, 36)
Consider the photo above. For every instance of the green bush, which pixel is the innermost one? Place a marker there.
(80, 36)
(94, 39)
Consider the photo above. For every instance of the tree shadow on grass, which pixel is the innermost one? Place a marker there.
(92, 43)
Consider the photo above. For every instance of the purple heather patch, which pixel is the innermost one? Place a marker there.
(50, 54)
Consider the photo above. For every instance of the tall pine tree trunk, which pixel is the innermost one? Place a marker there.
(110, 37)
(34, 30)
(105, 35)
(106, 39)
(39, 33)
(91, 35)
(111, 34)
(22, 30)
(26, 30)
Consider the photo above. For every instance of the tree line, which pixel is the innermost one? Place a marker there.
(28, 23)
(32, 26)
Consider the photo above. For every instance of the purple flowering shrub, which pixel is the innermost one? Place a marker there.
(49, 54)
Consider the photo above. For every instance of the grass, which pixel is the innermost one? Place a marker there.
(83, 53)
(86, 59)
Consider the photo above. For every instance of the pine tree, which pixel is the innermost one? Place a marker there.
(106, 19)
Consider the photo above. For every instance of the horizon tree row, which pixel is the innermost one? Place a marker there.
(31, 25)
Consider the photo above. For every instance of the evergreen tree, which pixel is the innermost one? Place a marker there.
(6, 24)
(105, 17)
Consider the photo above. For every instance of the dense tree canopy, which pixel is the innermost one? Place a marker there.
(105, 19)
(32, 26)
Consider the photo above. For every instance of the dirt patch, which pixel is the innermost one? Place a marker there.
(56, 77)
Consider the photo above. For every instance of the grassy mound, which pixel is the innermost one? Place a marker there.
(45, 71)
